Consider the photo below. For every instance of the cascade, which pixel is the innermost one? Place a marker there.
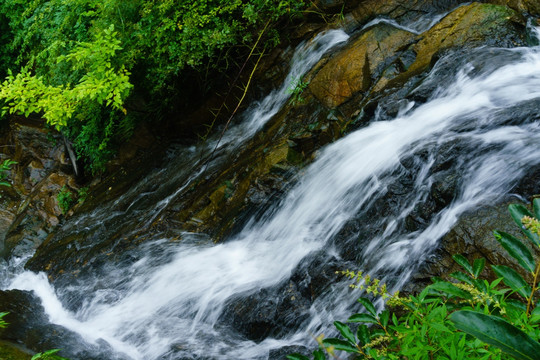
(169, 303)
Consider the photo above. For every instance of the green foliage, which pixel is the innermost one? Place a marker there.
(5, 167)
(48, 355)
(101, 84)
(76, 63)
(82, 195)
(65, 199)
(469, 318)
(296, 89)
(3, 323)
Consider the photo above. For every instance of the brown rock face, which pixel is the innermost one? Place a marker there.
(373, 61)
(470, 25)
(351, 71)
(29, 209)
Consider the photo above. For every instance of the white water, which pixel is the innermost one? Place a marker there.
(177, 304)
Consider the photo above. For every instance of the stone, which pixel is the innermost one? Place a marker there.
(471, 26)
(352, 69)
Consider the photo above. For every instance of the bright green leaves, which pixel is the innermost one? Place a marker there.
(25, 94)
(518, 212)
(497, 332)
(512, 278)
(516, 249)
(102, 84)
(5, 167)
(3, 323)
(48, 355)
(450, 289)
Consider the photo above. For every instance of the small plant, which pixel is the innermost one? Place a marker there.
(469, 318)
(48, 355)
(296, 89)
(5, 167)
(65, 199)
(82, 194)
(3, 323)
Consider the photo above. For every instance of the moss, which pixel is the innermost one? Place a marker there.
(9, 351)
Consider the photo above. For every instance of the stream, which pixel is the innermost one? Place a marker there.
(169, 303)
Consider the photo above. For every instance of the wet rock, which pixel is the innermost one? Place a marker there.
(316, 274)
(281, 353)
(268, 312)
(29, 325)
(444, 188)
(403, 10)
(283, 308)
(12, 351)
(352, 70)
(472, 237)
(529, 6)
(471, 26)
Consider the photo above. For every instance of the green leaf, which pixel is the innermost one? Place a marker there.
(461, 260)
(362, 333)
(297, 356)
(513, 280)
(368, 305)
(367, 318)
(319, 355)
(340, 345)
(451, 289)
(458, 275)
(535, 315)
(345, 331)
(497, 332)
(478, 266)
(384, 317)
(518, 212)
(516, 249)
(536, 208)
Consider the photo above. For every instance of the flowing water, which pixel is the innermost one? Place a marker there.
(170, 302)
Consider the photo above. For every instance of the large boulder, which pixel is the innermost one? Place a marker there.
(384, 56)
(471, 26)
(351, 71)
(29, 326)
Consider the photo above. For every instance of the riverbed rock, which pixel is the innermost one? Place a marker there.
(28, 325)
(385, 56)
(471, 26)
(351, 71)
(12, 351)
(472, 237)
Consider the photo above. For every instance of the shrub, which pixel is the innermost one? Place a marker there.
(72, 61)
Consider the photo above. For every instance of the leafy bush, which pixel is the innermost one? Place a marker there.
(496, 320)
(76, 62)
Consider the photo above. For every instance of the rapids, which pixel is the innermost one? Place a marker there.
(170, 302)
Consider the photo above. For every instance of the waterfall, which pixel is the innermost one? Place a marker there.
(174, 299)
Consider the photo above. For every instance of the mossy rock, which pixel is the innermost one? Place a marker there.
(352, 70)
(471, 26)
(9, 351)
